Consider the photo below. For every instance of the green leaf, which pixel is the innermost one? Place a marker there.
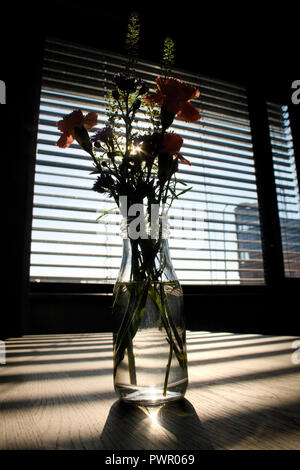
(105, 213)
(173, 193)
(184, 191)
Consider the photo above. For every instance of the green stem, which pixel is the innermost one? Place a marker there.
(168, 369)
(130, 323)
(145, 277)
(131, 362)
(127, 124)
(166, 317)
(157, 299)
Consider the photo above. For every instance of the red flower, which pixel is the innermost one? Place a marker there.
(175, 96)
(68, 124)
(172, 143)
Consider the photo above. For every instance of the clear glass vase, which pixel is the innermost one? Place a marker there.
(150, 360)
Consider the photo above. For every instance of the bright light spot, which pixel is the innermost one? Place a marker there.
(153, 415)
(136, 149)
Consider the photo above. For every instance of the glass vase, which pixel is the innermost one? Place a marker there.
(150, 359)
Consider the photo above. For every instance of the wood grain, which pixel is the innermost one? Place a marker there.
(56, 392)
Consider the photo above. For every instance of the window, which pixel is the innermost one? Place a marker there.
(287, 188)
(215, 231)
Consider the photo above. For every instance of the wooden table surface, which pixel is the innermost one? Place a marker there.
(56, 392)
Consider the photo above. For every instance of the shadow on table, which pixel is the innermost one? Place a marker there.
(173, 426)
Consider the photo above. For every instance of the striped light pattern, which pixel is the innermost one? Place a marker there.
(288, 200)
(214, 228)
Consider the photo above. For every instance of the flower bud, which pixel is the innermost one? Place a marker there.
(125, 84)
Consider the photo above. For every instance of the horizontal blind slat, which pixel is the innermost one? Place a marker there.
(222, 175)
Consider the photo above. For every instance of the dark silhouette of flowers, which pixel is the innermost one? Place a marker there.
(103, 135)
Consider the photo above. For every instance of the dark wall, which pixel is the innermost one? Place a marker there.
(260, 311)
(21, 48)
(247, 45)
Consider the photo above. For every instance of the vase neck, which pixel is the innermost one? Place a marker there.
(145, 258)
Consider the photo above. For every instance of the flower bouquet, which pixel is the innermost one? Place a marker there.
(138, 169)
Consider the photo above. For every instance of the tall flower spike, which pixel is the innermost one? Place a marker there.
(132, 42)
(168, 57)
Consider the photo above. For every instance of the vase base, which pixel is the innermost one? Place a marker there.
(147, 396)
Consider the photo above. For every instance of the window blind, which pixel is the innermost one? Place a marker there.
(287, 188)
(214, 228)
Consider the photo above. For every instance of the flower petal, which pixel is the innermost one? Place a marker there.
(70, 121)
(188, 113)
(182, 159)
(156, 98)
(172, 105)
(195, 94)
(90, 120)
(175, 96)
(171, 143)
(65, 140)
(176, 89)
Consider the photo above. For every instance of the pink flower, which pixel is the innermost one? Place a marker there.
(68, 124)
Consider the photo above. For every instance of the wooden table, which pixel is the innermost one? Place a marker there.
(56, 392)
